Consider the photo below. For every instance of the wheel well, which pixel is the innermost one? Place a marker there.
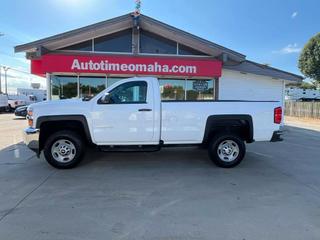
(49, 127)
(240, 126)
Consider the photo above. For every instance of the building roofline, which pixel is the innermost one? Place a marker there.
(277, 69)
(30, 45)
(248, 66)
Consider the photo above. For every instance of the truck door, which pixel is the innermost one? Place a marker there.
(125, 115)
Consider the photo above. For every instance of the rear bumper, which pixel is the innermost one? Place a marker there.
(276, 136)
(31, 138)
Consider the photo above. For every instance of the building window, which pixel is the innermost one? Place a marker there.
(64, 87)
(186, 90)
(172, 89)
(155, 44)
(185, 50)
(130, 92)
(117, 42)
(83, 46)
(91, 86)
(198, 90)
(113, 80)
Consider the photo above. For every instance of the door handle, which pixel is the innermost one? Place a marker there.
(145, 110)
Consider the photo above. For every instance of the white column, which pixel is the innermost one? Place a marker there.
(48, 86)
(78, 86)
(283, 100)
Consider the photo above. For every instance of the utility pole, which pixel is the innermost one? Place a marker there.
(5, 79)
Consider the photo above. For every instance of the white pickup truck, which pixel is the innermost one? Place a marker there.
(129, 115)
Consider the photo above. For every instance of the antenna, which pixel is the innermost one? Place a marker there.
(137, 10)
(136, 14)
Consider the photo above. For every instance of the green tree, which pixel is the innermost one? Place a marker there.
(309, 61)
(306, 85)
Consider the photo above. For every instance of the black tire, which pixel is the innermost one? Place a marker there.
(67, 136)
(226, 139)
(10, 109)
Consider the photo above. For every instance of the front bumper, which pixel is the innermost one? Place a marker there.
(31, 138)
(276, 136)
(20, 114)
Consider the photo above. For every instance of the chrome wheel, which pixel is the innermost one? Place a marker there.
(228, 150)
(63, 150)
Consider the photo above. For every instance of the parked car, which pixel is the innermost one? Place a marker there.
(3, 102)
(21, 111)
(38, 95)
(129, 115)
(15, 101)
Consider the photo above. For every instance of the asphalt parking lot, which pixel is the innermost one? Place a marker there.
(171, 194)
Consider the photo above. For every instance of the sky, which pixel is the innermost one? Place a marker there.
(269, 32)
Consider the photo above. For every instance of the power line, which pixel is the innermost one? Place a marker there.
(18, 70)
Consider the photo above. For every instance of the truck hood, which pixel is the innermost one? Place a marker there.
(57, 103)
(60, 107)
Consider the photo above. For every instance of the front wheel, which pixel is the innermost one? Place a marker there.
(64, 149)
(227, 150)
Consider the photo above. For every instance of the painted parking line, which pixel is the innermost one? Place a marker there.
(261, 154)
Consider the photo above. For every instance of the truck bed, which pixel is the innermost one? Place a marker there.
(186, 121)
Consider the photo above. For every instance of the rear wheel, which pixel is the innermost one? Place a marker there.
(64, 149)
(226, 150)
(10, 108)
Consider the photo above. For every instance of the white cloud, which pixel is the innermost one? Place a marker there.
(294, 15)
(290, 48)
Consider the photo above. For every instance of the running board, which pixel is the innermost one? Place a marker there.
(131, 148)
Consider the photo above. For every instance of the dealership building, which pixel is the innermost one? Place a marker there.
(84, 61)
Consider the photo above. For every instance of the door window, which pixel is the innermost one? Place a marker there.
(130, 92)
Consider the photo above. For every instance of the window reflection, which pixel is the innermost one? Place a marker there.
(152, 43)
(91, 86)
(172, 89)
(111, 81)
(185, 50)
(117, 42)
(200, 90)
(64, 87)
(130, 92)
(189, 90)
(83, 46)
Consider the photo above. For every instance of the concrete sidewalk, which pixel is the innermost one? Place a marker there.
(307, 123)
(11, 129)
